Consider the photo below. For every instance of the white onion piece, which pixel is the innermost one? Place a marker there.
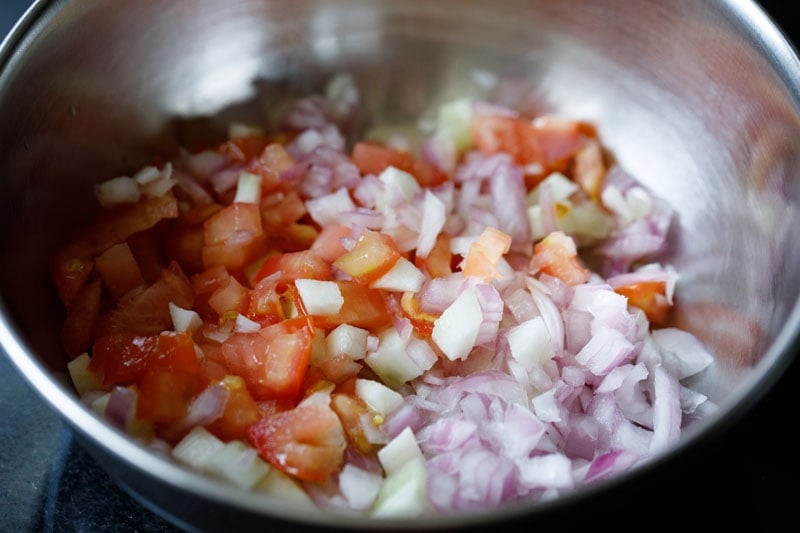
(119, 190)
(434, 215)
(359, 487)
(666, 411)
(325, 210)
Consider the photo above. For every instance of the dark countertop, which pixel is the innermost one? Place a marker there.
(745, 476)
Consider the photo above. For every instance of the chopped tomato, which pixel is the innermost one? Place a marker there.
(484, 254)
(589, 170)
(339, 368)
(266, 305)
(307, 442)
(556, 255)
(165, 395)
(145, 310)
(374, 158)
(439, 261)
(263, 268)
(147, 248)
(363, 307)
(69, 274)
(546, 141)
(421, 321)
(373, 255)
(82, 314)
(280, 209)
(118, 270)
(304, 265)
(650, 297)
(230, 296)
(123, 358)
(355, 416)
(232, 236)
(241, 411)
(273, 160)
(328, 244)
(243, 149)
(272, 368)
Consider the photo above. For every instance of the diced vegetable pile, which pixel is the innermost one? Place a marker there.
(385, 328)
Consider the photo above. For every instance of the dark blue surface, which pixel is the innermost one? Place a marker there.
(744, 477)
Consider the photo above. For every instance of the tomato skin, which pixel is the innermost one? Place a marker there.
(273, 368)
(307, 442)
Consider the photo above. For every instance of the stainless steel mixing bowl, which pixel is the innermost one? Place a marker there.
(698, 100)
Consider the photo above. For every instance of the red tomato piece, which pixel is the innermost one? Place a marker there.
(304, 265)
(232, 236)
(243, 149)
(266, 305)
(355, 416)
(123, 358)
(118, 269)
(374, 158)
(373, 255)
(241, 411)
(363, 307)
(328, 244)
(165, 395)
(650, 297)
(307, 442)
(240, 220)
(272, 368)
(270, 264)
(440, 258)
(548, 142)
(272, 161)
(69, 273)
(279, 210)
(338, 369)
(589, 170)
(145, 310)
(421, 321)
(556, 255)
(230, 296)
(82, 314)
